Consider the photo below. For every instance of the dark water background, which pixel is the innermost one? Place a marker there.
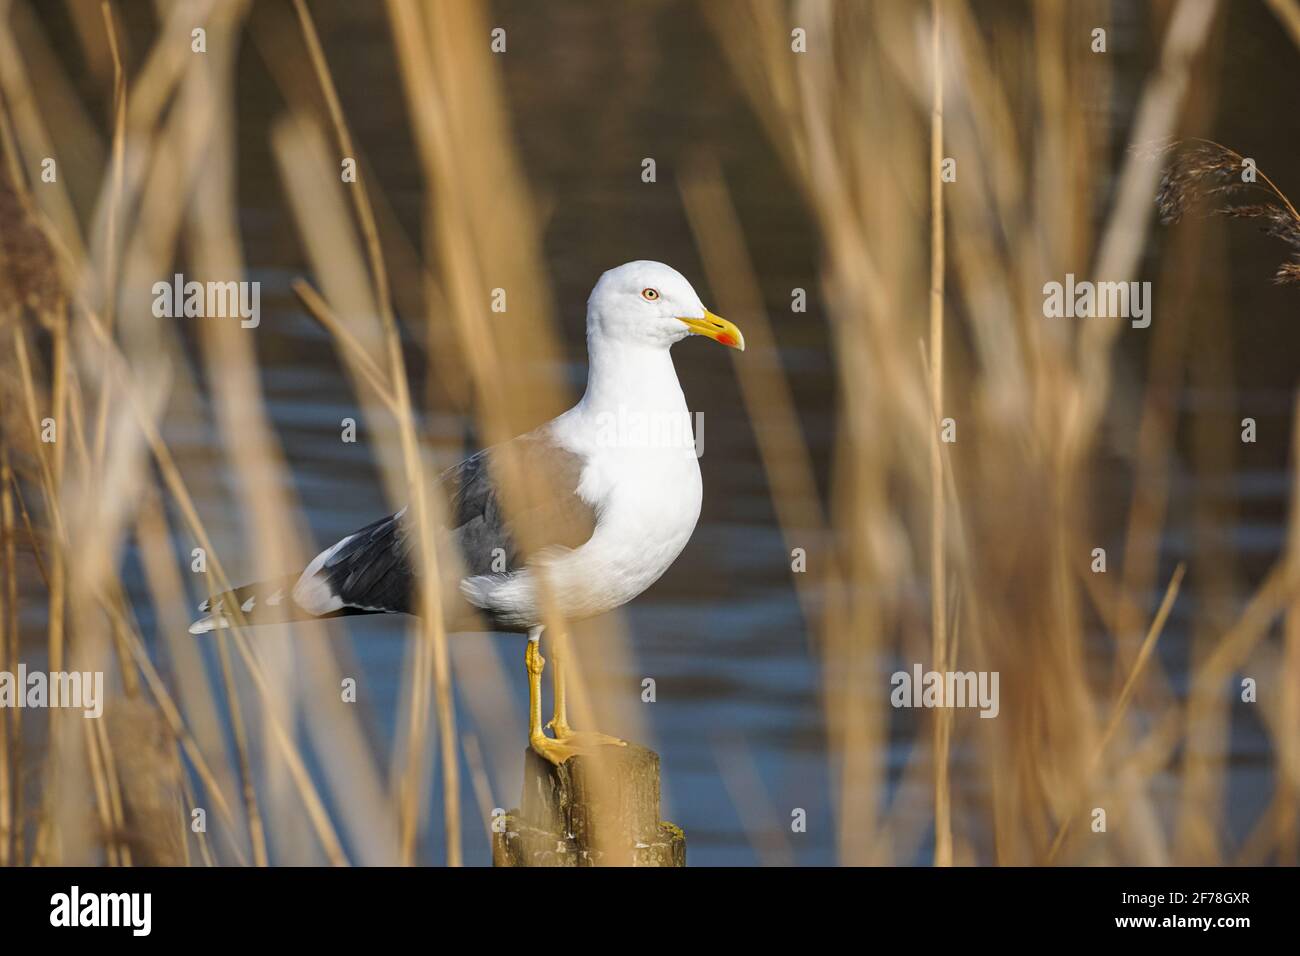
(592, 89)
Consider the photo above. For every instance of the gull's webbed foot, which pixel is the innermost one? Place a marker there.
(558, 750)
(582, 738)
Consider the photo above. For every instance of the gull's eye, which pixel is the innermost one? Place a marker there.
(649, 294)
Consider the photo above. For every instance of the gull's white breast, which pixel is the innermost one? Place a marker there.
(647, 500)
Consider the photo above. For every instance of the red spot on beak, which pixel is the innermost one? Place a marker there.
(726, 338)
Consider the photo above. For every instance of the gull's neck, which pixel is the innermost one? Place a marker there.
(630, 376)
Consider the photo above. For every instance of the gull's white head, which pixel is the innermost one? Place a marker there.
(652, 304)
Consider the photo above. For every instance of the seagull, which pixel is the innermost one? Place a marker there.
(618, 494)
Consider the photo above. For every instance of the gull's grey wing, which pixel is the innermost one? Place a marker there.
(373, 568)
(554, 514)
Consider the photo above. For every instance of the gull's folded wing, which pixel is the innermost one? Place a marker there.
(373, 569)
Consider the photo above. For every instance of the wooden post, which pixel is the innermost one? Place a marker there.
(596, 809)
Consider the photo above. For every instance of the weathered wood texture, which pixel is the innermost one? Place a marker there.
(596, 809)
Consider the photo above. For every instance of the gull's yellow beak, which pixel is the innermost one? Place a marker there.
(717, 328)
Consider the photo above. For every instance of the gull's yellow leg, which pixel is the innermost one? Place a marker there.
(560, 720)
(556, 751)
(535, 662)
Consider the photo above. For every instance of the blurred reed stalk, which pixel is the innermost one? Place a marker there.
(432, 663)
(938, 539)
